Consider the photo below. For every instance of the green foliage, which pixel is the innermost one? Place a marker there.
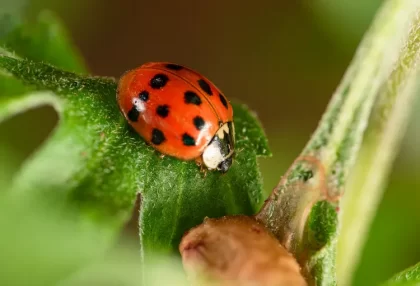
(44, 40)
(44, 245)
(74, 194)
(351, 151)
(408, 277)
(96, 163)
(322, 224)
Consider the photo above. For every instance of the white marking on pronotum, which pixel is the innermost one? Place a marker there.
(221, 132)
(212, 156)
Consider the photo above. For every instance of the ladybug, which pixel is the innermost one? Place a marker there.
(180, 113)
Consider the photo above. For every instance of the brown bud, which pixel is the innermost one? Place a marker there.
(237, 250)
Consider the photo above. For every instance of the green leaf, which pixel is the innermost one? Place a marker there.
(351, 151)
(321, 226)
(39, 235)
(174, 191)
(54, 246)
(15, 98)
(410, 276)
(44, 40)
(97, 163)
(383, 136)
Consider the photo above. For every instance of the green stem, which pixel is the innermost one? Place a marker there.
(322, 170)
(381, 144)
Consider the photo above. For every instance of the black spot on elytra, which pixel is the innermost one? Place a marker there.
(157, 137)
(188, 140)
(133, 114)
(192, 97)
(174, 67)
(144, 95)
(223, 100)
(162, 110)
(198, 122)
(205, 86)
(159, 81)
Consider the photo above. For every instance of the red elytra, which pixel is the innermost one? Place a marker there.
(179, 112)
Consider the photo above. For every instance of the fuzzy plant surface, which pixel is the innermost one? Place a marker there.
(93, 167)
(94, 162)
(410, 276)
(323, 205)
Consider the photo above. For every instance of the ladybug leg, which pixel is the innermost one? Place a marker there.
(203, 170)
(200, 164)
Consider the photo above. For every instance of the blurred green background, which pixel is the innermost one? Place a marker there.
(282, 58)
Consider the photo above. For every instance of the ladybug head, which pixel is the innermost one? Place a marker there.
(219, 152)
(225, 165)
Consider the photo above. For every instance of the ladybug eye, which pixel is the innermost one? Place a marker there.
(225, 165)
